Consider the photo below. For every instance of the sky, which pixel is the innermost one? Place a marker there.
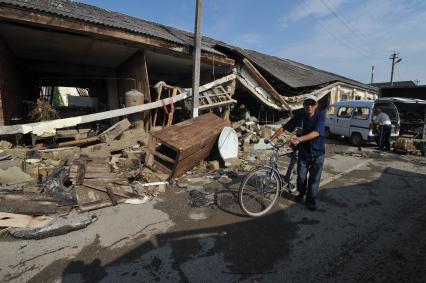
(346, 37)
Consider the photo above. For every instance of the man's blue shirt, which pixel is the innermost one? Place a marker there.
(313, 148)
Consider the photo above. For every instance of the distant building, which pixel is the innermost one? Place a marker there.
(406, 89)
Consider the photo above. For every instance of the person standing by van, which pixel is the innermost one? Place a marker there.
(310, 144)
(385, 127)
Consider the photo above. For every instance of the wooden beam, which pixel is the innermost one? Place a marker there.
(79, 142)
(114, 131)
(74, 25)
(64, 68)
(255, 91)
(258, 76)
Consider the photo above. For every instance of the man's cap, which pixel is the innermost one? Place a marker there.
(310, 97)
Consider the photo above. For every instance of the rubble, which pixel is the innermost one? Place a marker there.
(200, 197)
(5, 144)
(14, 175)
(120, 165)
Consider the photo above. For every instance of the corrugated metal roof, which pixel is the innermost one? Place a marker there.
(96, 15)
(295, 74)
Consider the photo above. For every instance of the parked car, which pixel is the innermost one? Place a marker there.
(354, 119)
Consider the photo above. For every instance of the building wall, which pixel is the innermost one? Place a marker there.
(11, 87)
(343, 92)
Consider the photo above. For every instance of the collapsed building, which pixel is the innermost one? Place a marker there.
(47, 45)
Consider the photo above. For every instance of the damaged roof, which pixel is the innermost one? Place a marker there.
(293, 74)
(296, 74)
(96, 15)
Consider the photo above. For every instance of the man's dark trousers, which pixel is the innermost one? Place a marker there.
(310, 185)
(385, 132)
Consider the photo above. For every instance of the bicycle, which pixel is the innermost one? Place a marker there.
(262, 186)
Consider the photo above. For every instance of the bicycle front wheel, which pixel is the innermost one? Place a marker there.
(259, 191)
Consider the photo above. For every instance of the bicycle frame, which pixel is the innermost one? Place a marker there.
(271, 183)
(273, 165)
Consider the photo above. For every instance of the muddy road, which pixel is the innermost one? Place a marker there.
(370, 226)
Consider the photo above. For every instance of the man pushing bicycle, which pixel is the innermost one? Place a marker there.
(310, 144)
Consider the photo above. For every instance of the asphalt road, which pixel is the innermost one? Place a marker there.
(370, 226)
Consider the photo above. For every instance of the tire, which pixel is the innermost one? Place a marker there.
(356, 139)
(259, 191)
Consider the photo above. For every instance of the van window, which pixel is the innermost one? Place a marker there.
(331, 110)
(361, 113)
(345, 112)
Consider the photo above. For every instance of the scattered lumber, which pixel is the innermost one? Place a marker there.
(80, 142)
(32, 204)
(96, 186)
(114, 131)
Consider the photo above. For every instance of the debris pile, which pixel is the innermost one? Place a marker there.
(44, 188)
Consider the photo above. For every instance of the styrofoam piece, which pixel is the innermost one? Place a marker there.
(228, 143)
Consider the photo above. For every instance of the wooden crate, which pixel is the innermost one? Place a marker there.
(183, 145)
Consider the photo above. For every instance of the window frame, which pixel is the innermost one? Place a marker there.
(347, 116)
(358, 117)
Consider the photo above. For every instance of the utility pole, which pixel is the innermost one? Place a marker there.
(394, 56)
(196, 57)
(372, 74)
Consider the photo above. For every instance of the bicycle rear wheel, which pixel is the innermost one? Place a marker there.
(259, 191)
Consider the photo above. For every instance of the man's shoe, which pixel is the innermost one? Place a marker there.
(299, 198)
(311, 207)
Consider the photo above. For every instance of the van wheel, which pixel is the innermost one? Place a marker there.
(356, 139)
(327, 132)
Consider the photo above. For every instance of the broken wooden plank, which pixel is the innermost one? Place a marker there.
(32, 204)
(96, 175)
(114, 131)
(68, 143)
(89, 199)
(81, 171)
(98, 168)
(256, 90)
(264, 83)
(124, 191)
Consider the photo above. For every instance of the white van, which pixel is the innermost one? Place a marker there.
(353, 119)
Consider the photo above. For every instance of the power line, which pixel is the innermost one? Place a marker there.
(354, 47)
(351, 28)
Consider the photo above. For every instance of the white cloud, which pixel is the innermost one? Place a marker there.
(364, 35)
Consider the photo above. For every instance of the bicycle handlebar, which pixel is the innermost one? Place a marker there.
(278, 144)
